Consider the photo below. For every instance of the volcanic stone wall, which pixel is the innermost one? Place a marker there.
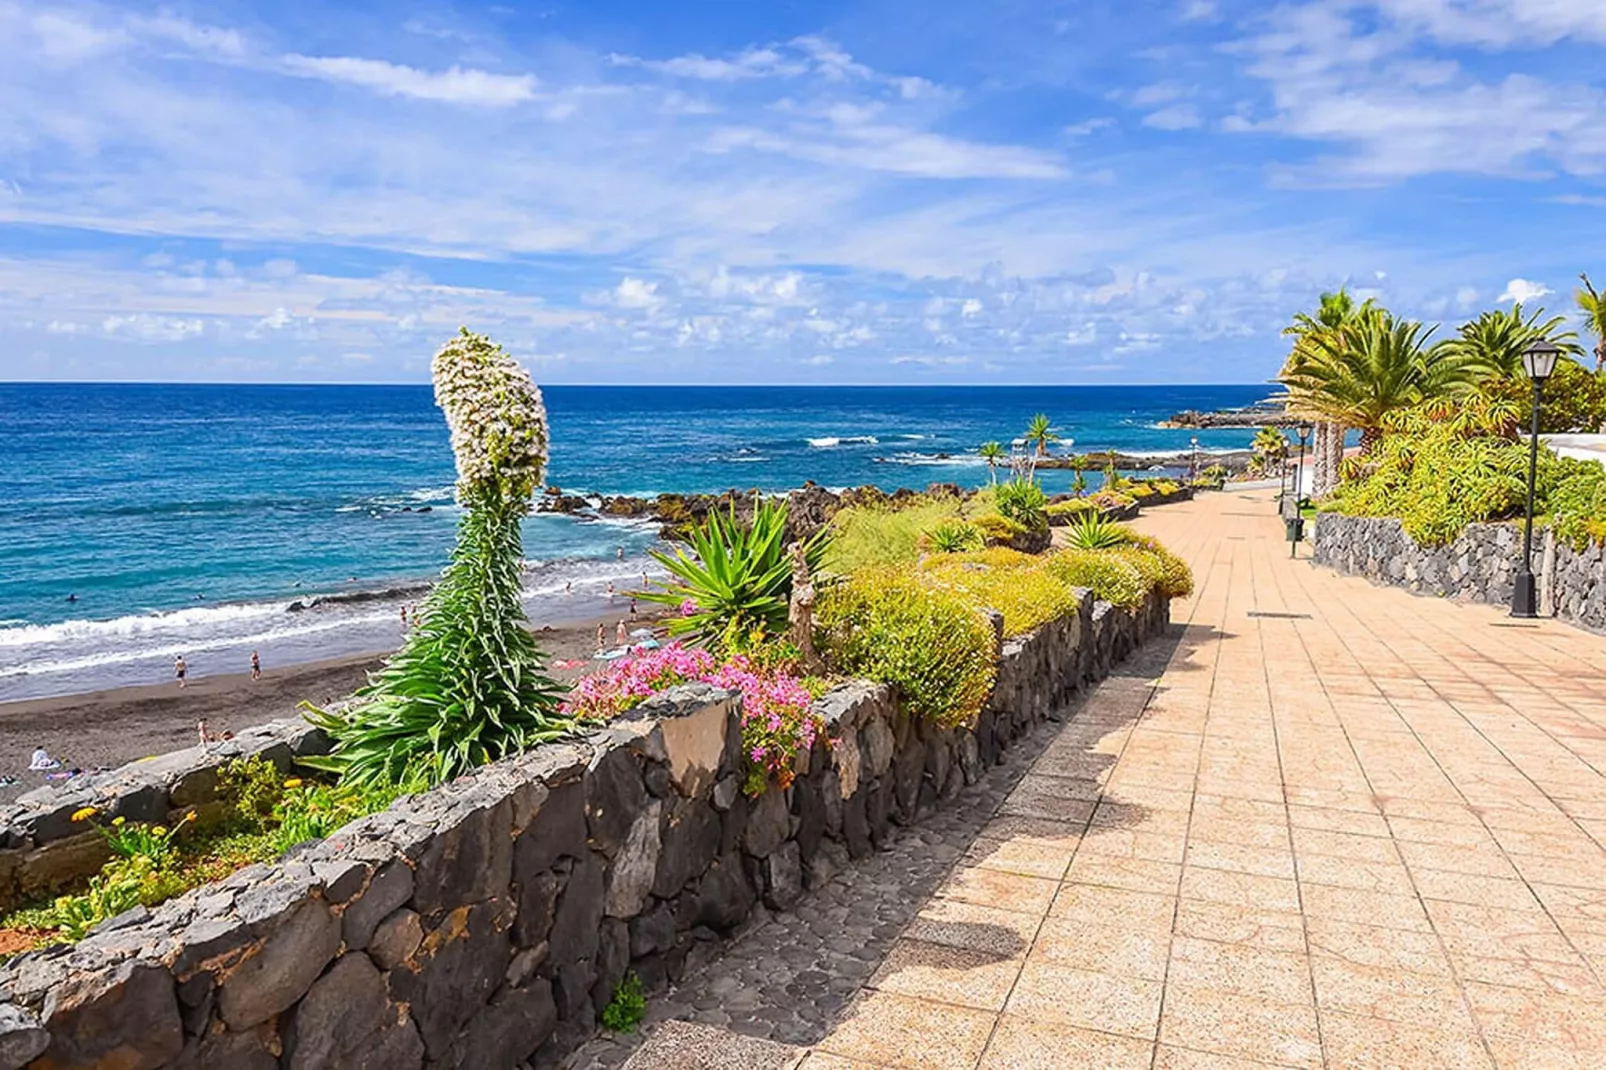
(487, 923)
(1480, 565)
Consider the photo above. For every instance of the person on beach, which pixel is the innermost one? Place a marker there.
(256, 665)
(568, 588)
(646, 584)
(180, 670)
(632, 608)
(200, 730)
(404, 618)
(602, 638)
(610, 590)
(42, 761)
(623, 637)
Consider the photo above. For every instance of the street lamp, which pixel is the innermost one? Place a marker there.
(1295, 520)
(1193, 464)
(1538, 360)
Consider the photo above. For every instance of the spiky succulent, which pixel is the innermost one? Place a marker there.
(497, 419)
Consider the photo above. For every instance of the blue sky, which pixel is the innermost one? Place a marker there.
(878, 191)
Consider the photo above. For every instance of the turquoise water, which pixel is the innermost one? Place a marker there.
(187, 518)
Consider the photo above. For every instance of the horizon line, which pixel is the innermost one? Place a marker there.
(615, 386)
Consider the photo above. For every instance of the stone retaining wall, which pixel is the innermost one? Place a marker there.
(486, 923)
(1480, 565)
(43, 851)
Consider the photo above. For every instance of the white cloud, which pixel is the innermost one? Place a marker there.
(143, 327)
(820, 360)
(456, 85)
(1088, 126)
(1176, 117)
(1396, 108)
(1084, 335)
(637, 293)
(971, 308)
(751, 63)
(1521, 291)
(1198, 10)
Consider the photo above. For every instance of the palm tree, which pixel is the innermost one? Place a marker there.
(1270, 448)
(1335, 311)
(1492, 345)
(1356, 375)
(1593, 306)
(993, 453)
(1040, 432)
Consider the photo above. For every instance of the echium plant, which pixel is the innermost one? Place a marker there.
(468, 686)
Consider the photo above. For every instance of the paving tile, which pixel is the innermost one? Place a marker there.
(956, 923)
(947, 974)
(1245, 1027)
(1104, 905)
(1135, 874)
(1279, 976)
(1239, 889)
(1172, 1058)
(887, 1029)
(1391, 911)
(995, 888)
(1031, 858)
(1356, 1041)
(1275, 861)
(1272, 930)
(1397, 995)
(1111, 1003)
(1106, 948)
(1377, 947)
(1032, 1044)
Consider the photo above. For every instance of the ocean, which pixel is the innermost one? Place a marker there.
(139, 522)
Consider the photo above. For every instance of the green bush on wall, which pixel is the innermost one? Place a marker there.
(890, 627)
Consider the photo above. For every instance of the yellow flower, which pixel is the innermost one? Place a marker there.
(293, 782)
(118, 821)
(85, 814)
(159, 830)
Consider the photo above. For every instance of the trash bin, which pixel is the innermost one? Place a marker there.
(1295, 526)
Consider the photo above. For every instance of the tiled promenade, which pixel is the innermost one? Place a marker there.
(1347, 827)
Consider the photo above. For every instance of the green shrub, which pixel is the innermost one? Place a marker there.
(954, 537)
(1022, 502)
(1015, 584)
(996, 528)
(1161, 568)
(890, 627)
(1577, 502)
(1073, 507)
(739, 577)
(865, 536)
(627, 1007)
(1437, 477)
(1110, 574)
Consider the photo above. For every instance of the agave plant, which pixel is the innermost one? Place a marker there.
(1092, 531)
(1023, 502)
(737, 579)
(954, 537)
(468, 686)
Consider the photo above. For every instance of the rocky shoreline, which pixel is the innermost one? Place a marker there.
(1254, 416)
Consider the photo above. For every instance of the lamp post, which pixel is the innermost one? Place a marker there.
(1538, 360)
(1193, 464)
(1296, 521)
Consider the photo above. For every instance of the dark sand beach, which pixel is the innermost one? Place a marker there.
(111, 728)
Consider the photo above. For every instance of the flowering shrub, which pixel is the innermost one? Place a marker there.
(778, 720)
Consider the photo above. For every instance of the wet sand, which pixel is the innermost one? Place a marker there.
(111, 728)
